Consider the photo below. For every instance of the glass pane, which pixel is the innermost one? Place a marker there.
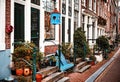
(49, 30)
(19, 23)
(70, 11)
(35, 26)
(37, 2)
(63, 9)
(63, 29)
(69, 30)
(64, 1)
(48, 5)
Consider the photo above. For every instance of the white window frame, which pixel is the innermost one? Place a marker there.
(2, 24)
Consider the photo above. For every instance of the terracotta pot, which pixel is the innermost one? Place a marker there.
(92, 63)
(26, 71)
(38, 77)
(19, 71)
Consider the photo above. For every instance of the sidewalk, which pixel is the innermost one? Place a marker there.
(99, 71)
(90, 75)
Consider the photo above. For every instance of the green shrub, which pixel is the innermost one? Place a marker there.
(102, 42)
(81, 48)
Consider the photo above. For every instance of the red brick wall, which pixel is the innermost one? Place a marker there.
(50, 49)
(7, 14)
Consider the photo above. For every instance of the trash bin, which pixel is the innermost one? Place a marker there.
(38, 77)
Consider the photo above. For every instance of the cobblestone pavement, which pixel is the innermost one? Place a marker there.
(81, 77)
(112, 73)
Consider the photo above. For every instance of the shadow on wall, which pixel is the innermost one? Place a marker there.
(4, 64)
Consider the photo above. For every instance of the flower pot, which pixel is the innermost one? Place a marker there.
(92, 63)
(26, 71)
(19, 71)
(38, 77)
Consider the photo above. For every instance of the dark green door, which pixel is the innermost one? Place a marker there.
(19, 23)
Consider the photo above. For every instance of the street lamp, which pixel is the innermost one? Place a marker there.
(55, 20)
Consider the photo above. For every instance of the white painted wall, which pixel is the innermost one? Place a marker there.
(2, 24)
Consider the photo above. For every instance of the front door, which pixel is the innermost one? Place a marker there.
(19, 23)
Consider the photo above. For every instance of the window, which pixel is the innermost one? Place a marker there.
(70, 3)
(88, 32)
(88, 25)
(70, 11)
(93, 32)
(64, 1)
(49, 29)
(19, 23)
(69, 30)
(63, 8)
(94, 6)
(35, 26)
(70, 7)
(48, 5)
(83, 21)
(76, 18)
(76, 5)
(83, 2)
(63, 29)
(97, 32)
(37, 2)
(90, 4)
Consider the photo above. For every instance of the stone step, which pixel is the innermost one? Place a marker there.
(47, 71)
(64, 79)
(80, 65)
(54, 77)
(78, 60)
(84, 68)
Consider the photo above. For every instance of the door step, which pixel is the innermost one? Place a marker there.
(64, 79)
(54, 77)
(84, 68)
(47, 71)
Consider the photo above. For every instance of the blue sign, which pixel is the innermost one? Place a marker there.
(55, 18)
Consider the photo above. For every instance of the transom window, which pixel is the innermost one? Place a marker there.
(48, 5)
(76, 5)
(37, 2)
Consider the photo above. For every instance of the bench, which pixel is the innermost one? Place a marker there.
(64, 65)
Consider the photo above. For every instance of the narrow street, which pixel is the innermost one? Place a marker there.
(112, 72)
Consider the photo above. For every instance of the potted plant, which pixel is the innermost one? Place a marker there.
(92, 59)
(24, 52)
(19, 68)
(103, 44)
(52, 61)
(66, 49)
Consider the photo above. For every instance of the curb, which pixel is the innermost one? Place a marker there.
(101, 69)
